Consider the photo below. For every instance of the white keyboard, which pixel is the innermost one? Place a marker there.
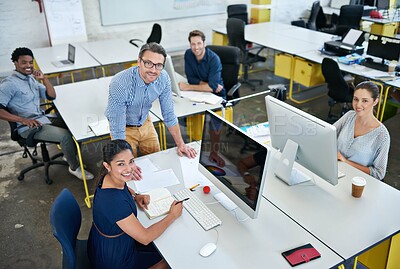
(199, 211)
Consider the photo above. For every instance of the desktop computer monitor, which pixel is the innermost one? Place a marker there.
(169, 67)
(386, 48)
(315, 141)
(235, 163)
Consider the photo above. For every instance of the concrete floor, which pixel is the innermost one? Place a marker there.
(27, 240)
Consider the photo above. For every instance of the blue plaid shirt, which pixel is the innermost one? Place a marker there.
(130, 100)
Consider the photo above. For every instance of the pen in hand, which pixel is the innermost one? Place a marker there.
(181, 201)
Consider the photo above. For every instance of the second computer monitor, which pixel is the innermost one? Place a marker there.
(235, 163)
(386, 48)
(316, 139)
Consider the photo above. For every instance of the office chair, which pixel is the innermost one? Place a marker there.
(238, 11)
(230, 60)
(30, 141)
(155, 36)
(312, 20)
(235, 29)
(349, 18)
(339, 89)
(65, 220)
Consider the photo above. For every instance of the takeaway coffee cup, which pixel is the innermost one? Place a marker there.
(358, 185)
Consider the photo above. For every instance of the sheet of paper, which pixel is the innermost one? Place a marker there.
(202, 97)
(157, 179)
(100, 127)
(146, 165)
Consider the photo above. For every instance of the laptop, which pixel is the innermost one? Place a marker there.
(69, 61)
(352, 38)
(169, 67)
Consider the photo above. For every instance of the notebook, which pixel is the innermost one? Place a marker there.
(160, 202)
(69, 61)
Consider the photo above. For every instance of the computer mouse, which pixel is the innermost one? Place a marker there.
(368, 59)
(208, 249)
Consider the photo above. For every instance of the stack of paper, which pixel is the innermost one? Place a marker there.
(202, 97)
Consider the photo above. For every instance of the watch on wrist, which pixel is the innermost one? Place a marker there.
(246, 174)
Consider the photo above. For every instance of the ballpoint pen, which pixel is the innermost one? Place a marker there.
(182, 200)
(194, 187)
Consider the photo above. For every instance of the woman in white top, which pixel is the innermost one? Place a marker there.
(363, 141)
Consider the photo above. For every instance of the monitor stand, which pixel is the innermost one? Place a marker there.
(285, 170)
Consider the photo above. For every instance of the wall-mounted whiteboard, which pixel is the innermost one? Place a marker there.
(128, 11)
(65, 21)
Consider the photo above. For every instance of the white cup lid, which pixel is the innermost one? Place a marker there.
(359, 181)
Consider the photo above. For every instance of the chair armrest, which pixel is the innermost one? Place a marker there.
(133, 42)
(299, 23)
(232, 91)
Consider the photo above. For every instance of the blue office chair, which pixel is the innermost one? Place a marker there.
(65, 220)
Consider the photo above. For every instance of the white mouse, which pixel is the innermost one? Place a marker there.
(208, 249)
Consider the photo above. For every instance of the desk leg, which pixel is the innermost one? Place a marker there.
(382, 111)
(87, 198)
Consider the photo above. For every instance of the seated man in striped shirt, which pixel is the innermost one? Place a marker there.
(130, 98)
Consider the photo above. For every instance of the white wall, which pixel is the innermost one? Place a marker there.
(21, 24)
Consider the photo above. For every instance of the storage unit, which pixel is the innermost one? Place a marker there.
(386, 29)
(261, 2)
(195, 123)
(307, 73)
(283, 65)
(219, 39)
(260, 14)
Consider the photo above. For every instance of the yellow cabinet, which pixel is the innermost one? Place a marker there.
(307, 73)
(261, 2)
(387, 29)
(219, 39)
(283, 65)
(195, 123)
(259, 14)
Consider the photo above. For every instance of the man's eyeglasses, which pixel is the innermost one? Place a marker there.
(150, 64)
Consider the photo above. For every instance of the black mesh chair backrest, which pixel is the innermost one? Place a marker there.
(155, 35)
(338, 88)
(235, 30)
(230, 60)
(14, 133)
(350, 15)
(238, 11)
(311, 24)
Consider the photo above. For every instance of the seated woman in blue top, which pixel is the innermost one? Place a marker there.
(363, 141)
(117, 239)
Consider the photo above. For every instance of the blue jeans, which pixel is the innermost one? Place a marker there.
(55, 133)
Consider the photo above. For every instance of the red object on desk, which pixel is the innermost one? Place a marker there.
(206, 189)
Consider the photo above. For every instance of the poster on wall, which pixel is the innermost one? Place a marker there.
(115, 12)
(65, 21)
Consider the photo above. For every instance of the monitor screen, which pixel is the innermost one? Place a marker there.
(233, 162)
(316, 139)
(386, 48)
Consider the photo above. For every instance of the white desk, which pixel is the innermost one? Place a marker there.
(80, 104)
(183, 107)
(44, 57)
(347, 225)
(113, 51)
(251, 244)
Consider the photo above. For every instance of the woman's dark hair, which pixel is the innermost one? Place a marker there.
(20, 52)
(110, 150)
(371, 87)
(153, 47)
